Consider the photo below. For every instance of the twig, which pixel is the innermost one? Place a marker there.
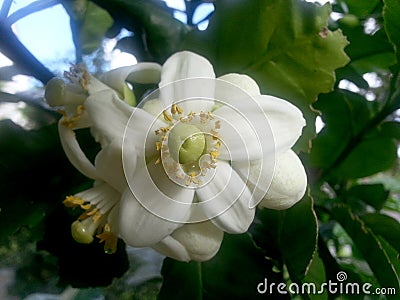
(5, 8)
(29, 9)
(11, 47)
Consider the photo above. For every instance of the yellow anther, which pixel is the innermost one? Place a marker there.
(203, 117)
(92, 212)
(218, 144)
(97, 216)
(110, 240)
(70, 122)
(184, 120)
(175, 109)
(210, 115)
(214, 154)
(158, 146)
(217, 124)
(192, 179)
(85, 79)
(167, 116)
(72, 201)
(158, 161)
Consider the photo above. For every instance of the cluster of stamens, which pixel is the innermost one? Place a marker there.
(189, 173)
(91, 221)
(79, 77)
(78, 74)
(70, 121)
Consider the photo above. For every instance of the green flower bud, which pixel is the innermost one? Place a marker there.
(186, 143)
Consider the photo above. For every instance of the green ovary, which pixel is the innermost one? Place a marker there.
(186, 143)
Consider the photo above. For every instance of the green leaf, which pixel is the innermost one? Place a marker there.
(234, 273)
(89, 24)
(364, 45)
(344, 114)
(374, 63)
(285, 46)
(332, 268)
(368, 245)
(186, 276)
(151, 19)
(34, 175)
(372, 194)
(94, 26)
(368, 52)
(316, 275)
(342, 147)
(349, 72)
(391, 129)
(370, 156)
(384, 226)
(360, 8)
(392, 253)
(391, 12)
(289, 235)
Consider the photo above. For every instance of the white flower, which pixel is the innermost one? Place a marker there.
(204, 151)
(83, 101)
(192, 162)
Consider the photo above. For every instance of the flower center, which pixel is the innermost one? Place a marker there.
(189, 146)
(186, 143)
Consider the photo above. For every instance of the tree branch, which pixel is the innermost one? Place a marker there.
(11, 47)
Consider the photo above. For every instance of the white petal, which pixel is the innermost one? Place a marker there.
(152, 207)
(101, 195)
(109, 165)
(95, 86)
(198, 242)
(176, 71)
(184, 65)
(225, 200)
(143, 73)
(286, 121)
(288, 184)
(243, 81)
(240, 139)
(74, 152)
(139, 137)
(113, 219)
(258, 174)
(109, 116)
(246, 130)
(153, 107)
